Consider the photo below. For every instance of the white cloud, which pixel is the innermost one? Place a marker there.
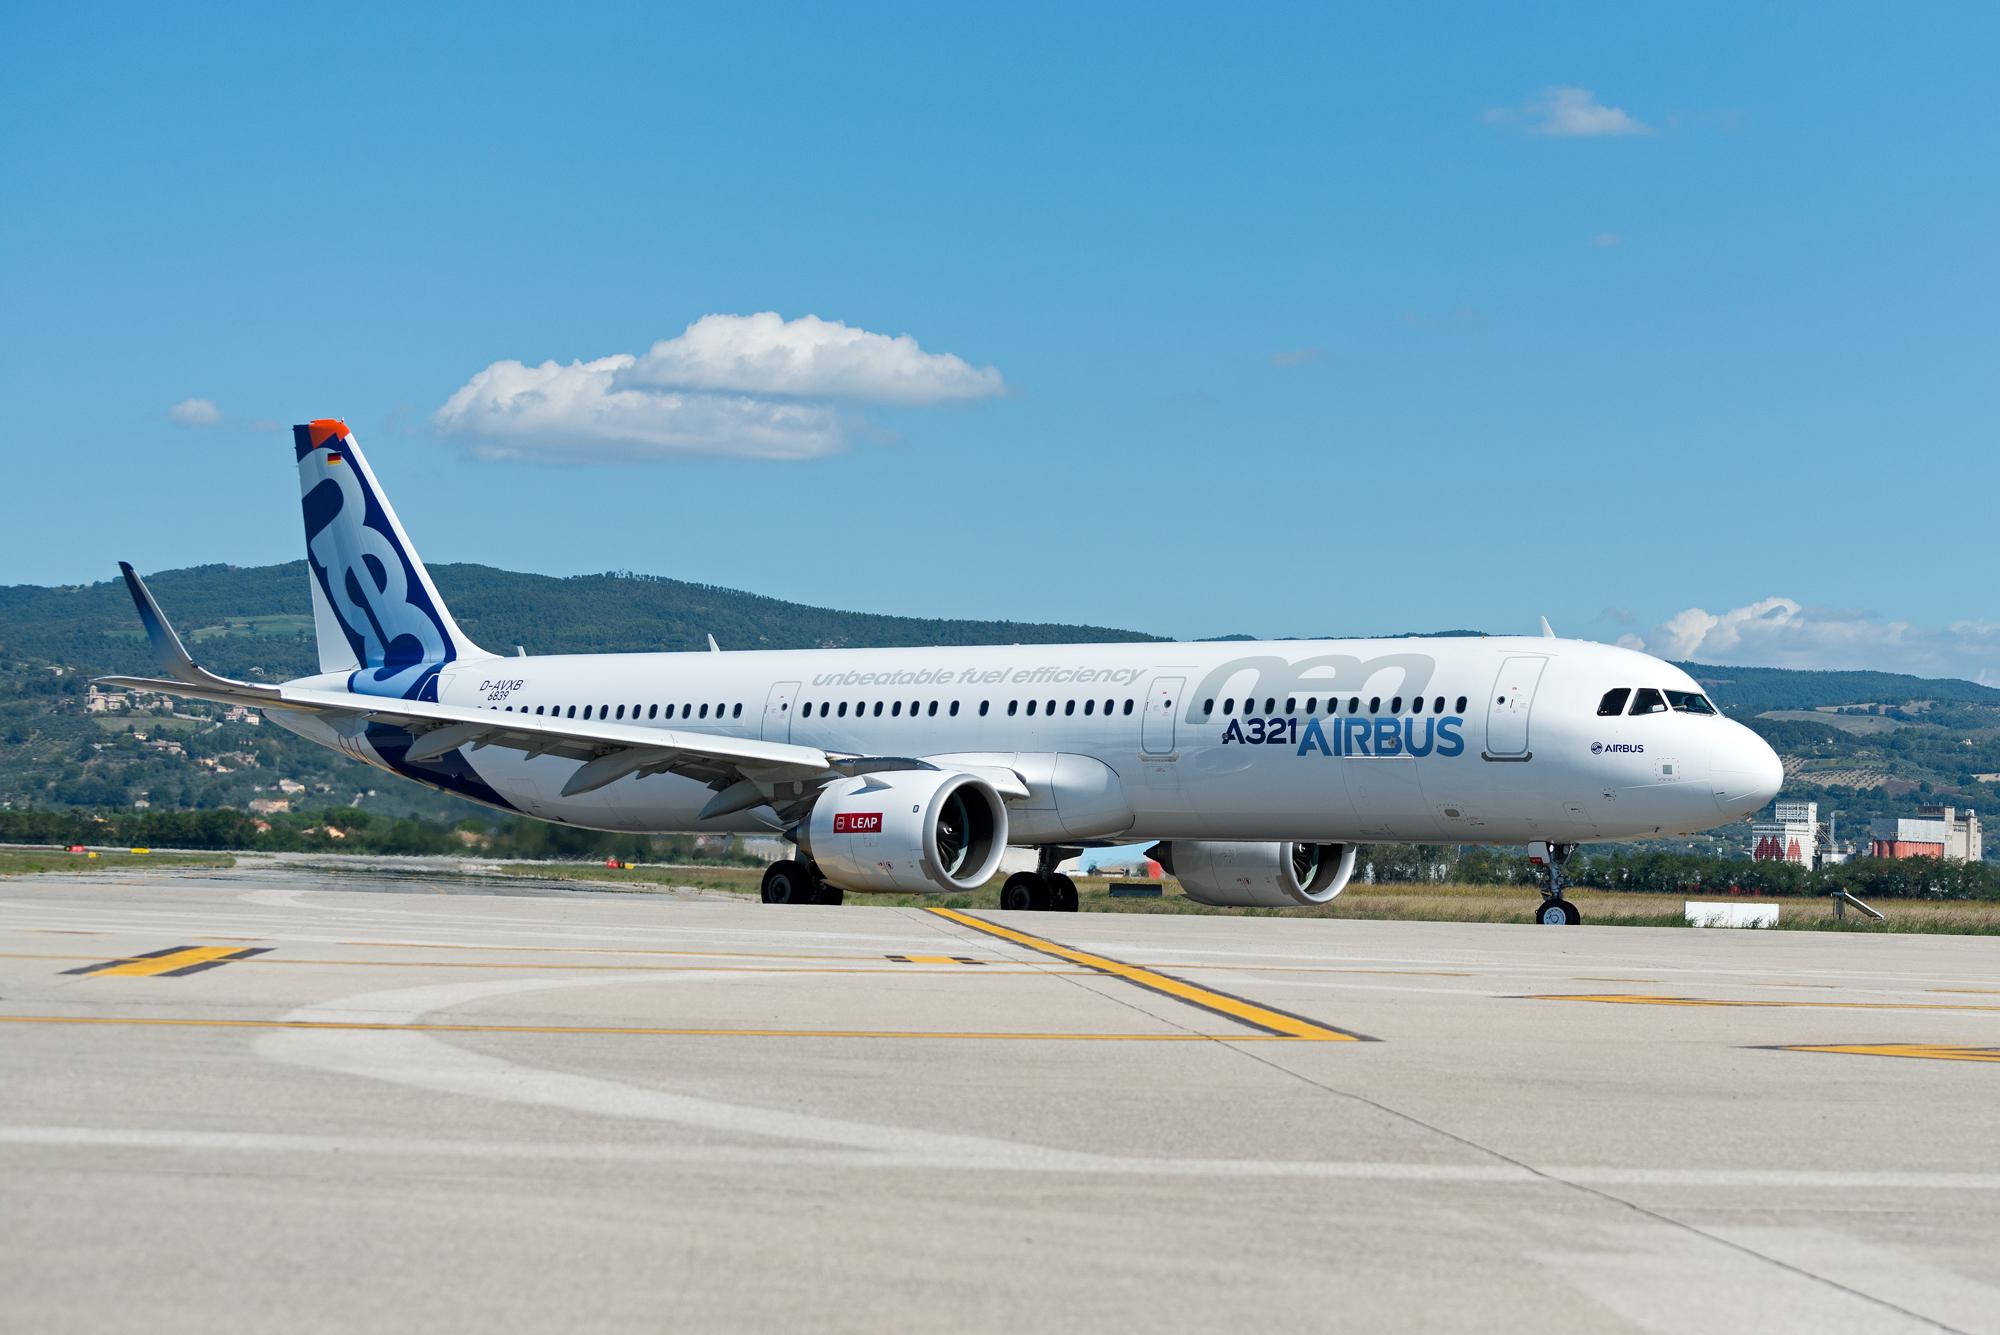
(556, 410)
(751, 386)
(1779, 632)
(1605, 240)
(195, 412)
(1298, 357)
(806, 358)
(1569, 113)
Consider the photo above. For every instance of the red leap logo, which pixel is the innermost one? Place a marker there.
(857, 822)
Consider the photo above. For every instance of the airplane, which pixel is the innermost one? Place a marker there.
(1257, 768)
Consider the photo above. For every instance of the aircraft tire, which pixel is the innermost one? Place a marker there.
(1023, 890)
(789, 882)
(1558, 913)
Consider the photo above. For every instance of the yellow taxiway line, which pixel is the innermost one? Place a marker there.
(1276, 1023)
(1943, 1052)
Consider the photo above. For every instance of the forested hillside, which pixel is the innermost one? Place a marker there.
(1863, 742)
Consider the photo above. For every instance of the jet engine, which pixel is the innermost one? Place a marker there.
(1258, 876)
(907, 831)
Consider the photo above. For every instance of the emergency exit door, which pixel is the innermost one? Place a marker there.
(1156, 729)
(778, 708)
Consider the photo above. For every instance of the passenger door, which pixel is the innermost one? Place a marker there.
(778, 707)
(1509, 706)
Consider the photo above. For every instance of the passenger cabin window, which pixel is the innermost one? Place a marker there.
(1690, 702)
(1396, 705)
(1013, 705)
(897, 711)
(954, 709)
(843, 709)
(1461, 705)
(1613, 703)
(1069, 708)
(932, 711)
(1648, 701)
(736, 711)
(1128, 706)
(1374, 704)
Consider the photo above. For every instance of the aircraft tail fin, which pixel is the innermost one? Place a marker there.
(377, 615)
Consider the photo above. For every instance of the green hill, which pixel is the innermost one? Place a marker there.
(1862, 741)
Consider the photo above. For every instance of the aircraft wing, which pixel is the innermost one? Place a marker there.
(611, 750)
(745, 772)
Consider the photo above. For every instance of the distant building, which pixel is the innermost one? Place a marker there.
(1794, 833)
(269, 806)
(1790, 835)
(1935, 832)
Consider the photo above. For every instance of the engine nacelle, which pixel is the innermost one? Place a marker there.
(909, 831)
(1258, 876)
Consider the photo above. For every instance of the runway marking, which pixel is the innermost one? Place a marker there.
(1931, 1051)
(1624, 999)
(192, 1022)
(1278, 1023)
(1022, 1158)
(933, 959)
(747, 967)
(173, 962)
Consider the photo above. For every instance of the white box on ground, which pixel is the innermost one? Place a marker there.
(1731, 915)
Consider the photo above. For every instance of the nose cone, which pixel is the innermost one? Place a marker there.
(1747, 771)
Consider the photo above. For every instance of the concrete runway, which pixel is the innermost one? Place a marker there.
(273, 1099)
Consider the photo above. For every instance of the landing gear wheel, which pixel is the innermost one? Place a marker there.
(1024, 890)
(789, 882)
(1062, 893)
(1558, 913)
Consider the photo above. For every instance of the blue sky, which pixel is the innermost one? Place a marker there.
(1295, 321)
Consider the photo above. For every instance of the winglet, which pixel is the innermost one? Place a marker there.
(173, 656)
(167, 646)
(713, 647)
(1548, 631)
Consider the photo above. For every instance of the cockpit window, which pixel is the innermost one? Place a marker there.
(1690, 702)
(1613, 703)
(1646, 700)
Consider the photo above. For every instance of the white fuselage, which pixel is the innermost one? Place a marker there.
(1458, 740)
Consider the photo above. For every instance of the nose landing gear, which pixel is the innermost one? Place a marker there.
(1555, 910)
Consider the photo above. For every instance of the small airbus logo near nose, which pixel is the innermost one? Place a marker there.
(1618, 748)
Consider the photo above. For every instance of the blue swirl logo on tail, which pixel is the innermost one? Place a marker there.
(395, 630)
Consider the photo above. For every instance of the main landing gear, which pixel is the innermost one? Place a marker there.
(1555, 910)
(790, 882)
(1043, 889)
